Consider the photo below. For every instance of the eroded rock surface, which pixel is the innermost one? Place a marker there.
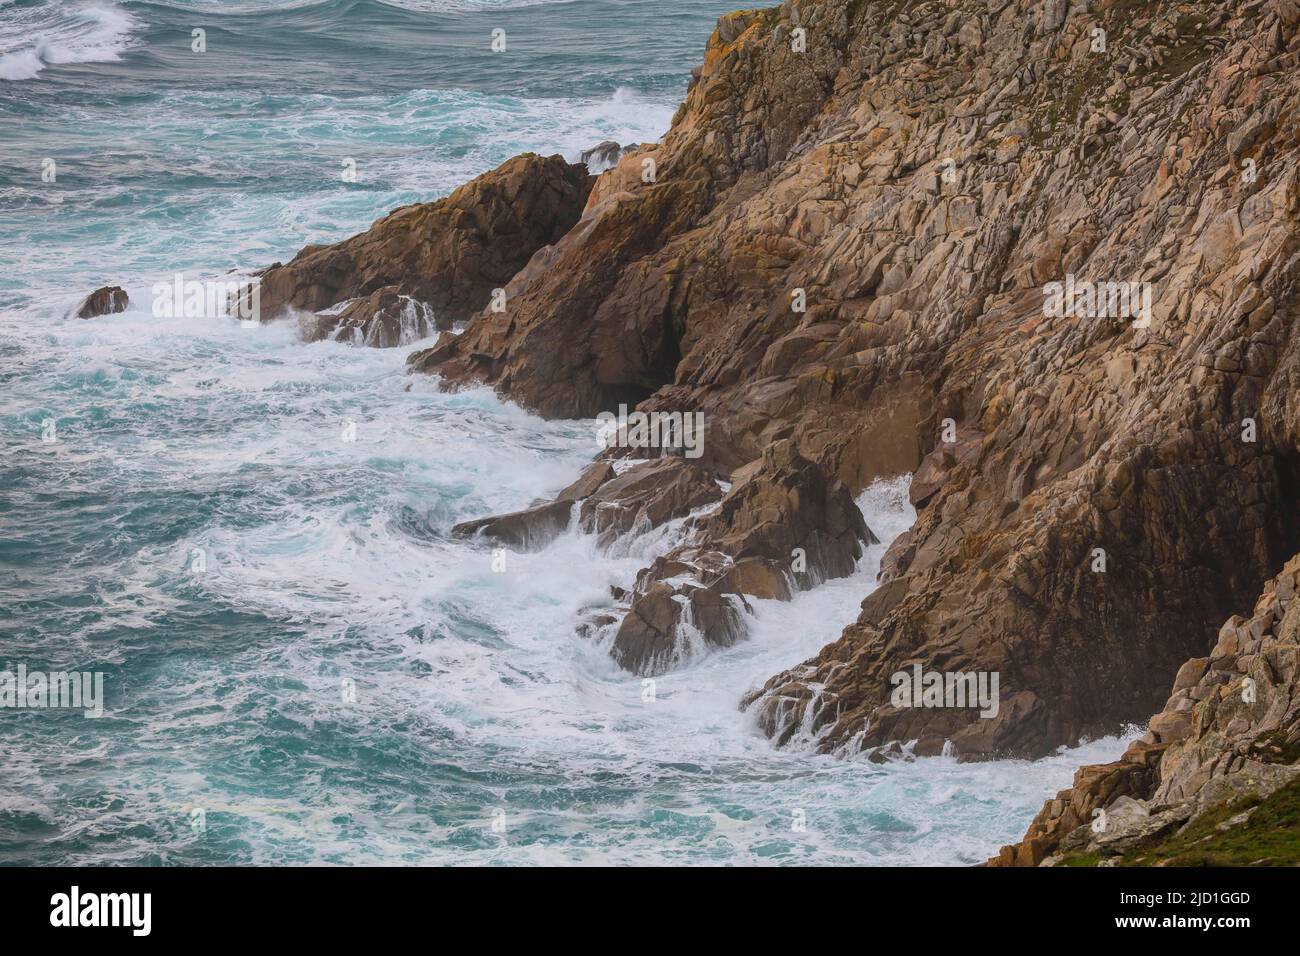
(1090, 506)
(646, 496)
(602, 156)
(383, 319)
(787, 527)
(1230, 729)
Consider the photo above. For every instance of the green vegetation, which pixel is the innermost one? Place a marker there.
(1270, 837)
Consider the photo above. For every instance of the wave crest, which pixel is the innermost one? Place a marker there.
(58, 33)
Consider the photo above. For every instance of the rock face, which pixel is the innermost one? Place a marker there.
(1230, 729)
(646, 496)
(857, 238)
(104, 301)
(852, 245)
(446, 255)
(591, 479)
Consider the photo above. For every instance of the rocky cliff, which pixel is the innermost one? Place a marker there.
(1223, 752)
(849, 254)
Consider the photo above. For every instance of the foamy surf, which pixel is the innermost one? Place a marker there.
(61, 33)
(297, 653)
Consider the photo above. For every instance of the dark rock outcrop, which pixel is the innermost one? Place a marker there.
(602, 156)
(107, 300)
(646, 496)
(1230, 730)
(786, 527)
(447, 255)
(790, 513)
(530, 529)
(669, 624)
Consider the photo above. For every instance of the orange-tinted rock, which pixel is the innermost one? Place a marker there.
(850, 248)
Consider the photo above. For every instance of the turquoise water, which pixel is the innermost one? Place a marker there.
(337, 680)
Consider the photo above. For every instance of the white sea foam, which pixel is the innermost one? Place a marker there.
(62, 32)
(417, 138)
(476, 675)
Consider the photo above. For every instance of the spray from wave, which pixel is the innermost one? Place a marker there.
(59, 33)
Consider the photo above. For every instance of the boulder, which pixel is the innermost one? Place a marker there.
(534, 528)
(602, 156)
(667, 626)
(103, 301)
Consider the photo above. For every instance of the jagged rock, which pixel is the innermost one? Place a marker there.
(935, 467)
(448, 254)
(850, 245)
(757, 577)
(1235, 739)
(788, 507)
(531, 529)
(1127, 822)
(107, 300)
(645, 496)
(668, 624)
(383, 319)
(602, 156)
(592, 478)
(786, 526)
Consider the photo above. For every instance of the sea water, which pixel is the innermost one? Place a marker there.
(249, 536)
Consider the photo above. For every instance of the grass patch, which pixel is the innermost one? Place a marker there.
(1271, 837)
